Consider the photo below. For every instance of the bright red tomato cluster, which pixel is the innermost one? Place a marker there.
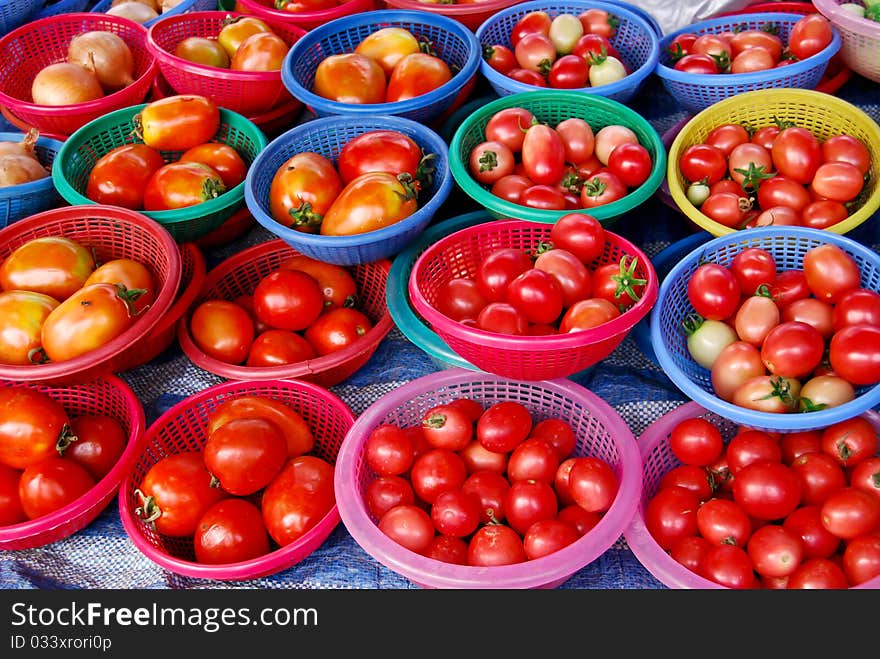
(562, 167)
(796, 340)
(304, 309)
(475, 485)
(749, 50)
(797, 510)
(253, 482)
(49, 458)
(555, 289)
(567, 51)
(780, 174)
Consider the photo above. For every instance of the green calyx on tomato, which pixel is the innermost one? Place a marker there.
(425, 44)
(753, 175)
(676, 52)
(770, 28)
(806, 405)
(303, 216)
(691, 323)
(594, 187)
(212, 188)
(627, 280)
(781, 389)
(572, 182)
(488, 161)
(436, 420)
(425, 171)
(722, 60)
(411, 187)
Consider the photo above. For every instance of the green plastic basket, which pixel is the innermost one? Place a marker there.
(551, 107)
(80, 152)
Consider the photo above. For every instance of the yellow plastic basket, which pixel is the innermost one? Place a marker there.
(823, 114)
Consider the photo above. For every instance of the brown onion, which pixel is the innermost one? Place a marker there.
(26, 147)
(16, 169)
(133, 10)
(107, 54)
(165, 5)
(150, 3)
(65, 83)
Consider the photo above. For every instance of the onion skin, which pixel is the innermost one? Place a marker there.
(26, 147)
(150, 3)
(64, 83)
(134, 10)
(17, 169)
(107, 55)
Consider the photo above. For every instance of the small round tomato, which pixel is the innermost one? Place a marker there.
(537, 295)
(388, 450)
(386, 492)
(11, 511)
(850, 441)
(783, 191)
(336, 282)
(670, 515)
(603, 187)
(288, 299)
(337, 329)
(861, 559)
(511, 188)
(50, 484)
(490, 161)
(496, 545)
(593, 484)
(238, 28)
(548, 536)
(849, 149)
(222, 158)
(97, 442)
(120, 176)
(456, 513)
(587, 314)
(792, 349)
(509, 127)
(533, 459)
(736, 364)
(860, 306)
(500, 58)
(447, 426)
(854, 354)
(222, 330)
(713, 291)
(696, 441)
(796, 153)
(298, 498)
(775, 551)
(490, 487)
(245, 454)
(559, 433)
(818, 574)
(809, 35)
(230, 531)
(263, 51)
(767, 490)
(436, 471)
(727, 208)
(579, 233)
(502, 318)
(527, 502)
(703, 162)
(631, 163)
(850, 512)
(409, 526)
(724, 521)
(503, 426)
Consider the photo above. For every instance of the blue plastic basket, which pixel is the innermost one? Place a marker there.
(697, 91)
(636, 39)
(63, 7)
(788, 246)
(15, 13)
(182, 8)
(327, 136)
(454, 43)
(19, 201)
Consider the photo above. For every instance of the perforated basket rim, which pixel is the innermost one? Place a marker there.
(838, 17)
(764, 97)
(261, 10)
(783, 422)
(38, 187)
(274, 561)
(379, 17)
(530, 574)
(454, 10)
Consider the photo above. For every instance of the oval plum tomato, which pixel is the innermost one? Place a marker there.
(175, 492)
(245, 454)
(388, 45)
(298, 498)
(696, 63)
(850, 512)
(537, 295)
(202, 50)
(538, 22)
(696, 441)
(381, 151)
(703, 162)
(767, 490)
(511, 188)
(727, 208)
(337, 329)
(838, 181)
(496, 544)
(409, 526)
(671, 514)
(593, 484)
(751, 60)
(850, 441)
(509, 127)
(302, 191)
(768, 393)
(823, 391)
(23, 314)
(830, 272)
(860, 306)
(97, 441)
(350, 78)
(587, 314)
(498, 269)
(51, 484)
(415, 75)
(854, 354)
(792, 349)
(236, 29)
(230, 531)
(813, 312)
(52, 265)
(577, 138)
(724, 521)
(735, 365)
(631, 163)
(222, 330)
(436, 471)
(823, 214)
(336, 282)
(527, 76)
(783, 191)
(490, 161)
(797, 154)
(222, 158)
(31, 425)
(388, 450)
(543, 154)
(134, 275)
(385, 492)
(618, 283)
(579, 233)
(293, 427)
(545, 197)
(11, 511)
(776, 216)
(717, 46)
(456, 513)
(809, 35)
(861, 559)
(371, 201)
(120, 176)
(177, 123)
(180, 185)
(500, 58)
(746, 39)
(713, 291)
(849, 149)
(502, 318)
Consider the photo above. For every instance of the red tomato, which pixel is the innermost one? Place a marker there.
(783, 191)
(850, 512)
(222, 158)
(456, 513)
(599, 21)
(751, 60)
(818, 573)
(371, 201)
(545, 197)
(500, 58)
(569, 72)
(302, 191)
(569, 272)
(797, 154)
(746, 39)
(559, 433)
(749, 446)
(735, 365)
(849, 149)
(387, 45)
(537, 295)
(52, 265)
(448, 549)
(490, 161)
(230, 531)
(293, 426)
(543, 154)
(809, 35)
(388, 450)
(767, 490)
(792, 349)
(288, 299)
(222, 330)
(854, 354)
(798, 443)
(298, 498)
(790, 285)
(681, 45)
(436, 471)
(775, 551)
(696, 441)
(262, 51)
(697, 63)
(245, 454)
(529, 23)
(120, 176)
(511, 188)
(535, 52)
(631, 163)
(490, 487)
(495, 545)
(336, 282)
(729, 566)
(691, 551)
(603, 187)
(577, 138)
(31, 425)
(447, 426)
(135, 276)
(415, 75)
(593, 484)
(11, 511)
(587, 314)
(860, 306)
(690, 477)
(177, 123)
(100, 441)
(50, 484)
(350, 78)
(386, 492)
(850, 441)
(727, 208)
(579, 233)
(460, 299)
(820, 475)
(713, 291)
(502, 318)
(409, 526)
(703, 162)
(503, 426)
(527, 76)
(806, 523)
(866, 475)
(726, 137)
(498, 269)
(527, 502)
(861, 559)
(724, 521)
(830, 272)
(548, 536)
(671, 514)
(337, 329)
(180, 185)
(509, 127)
(838, 181)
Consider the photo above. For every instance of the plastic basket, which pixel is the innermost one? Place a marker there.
(657, 459)
(788, 246)
(823, 114)
(15, 13)
(181, 8)
(600, 432)
(111, 232)
(246, 92)
(85, 147)
(469, 14)
(183, 428)
(551, 107)
(233, 228)
(697, 91)
(327, 136)
(63, 7)
(860, 38)
(18, 201)
(520, 357)
(240, 273)
(307, 20)
(107, 395)
(454, 43)
(837, 72)
(24, 127)
(635, 38)
(44, 41)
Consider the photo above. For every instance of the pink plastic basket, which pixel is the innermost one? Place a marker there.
(37, 44)
(469, 14)
(600, 432)
(105, 395)
(304, 19)
(520, 357)
(239, 274)
(657, 459)
(182, 428)
(860, 38)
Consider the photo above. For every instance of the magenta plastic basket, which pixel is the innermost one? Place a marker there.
(600, 431)
(860, 38)
(657, 459)
(520, 357)
(107, 395)
(182, 428)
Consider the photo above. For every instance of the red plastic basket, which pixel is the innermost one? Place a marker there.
(246, 92)
(239, 275)
(520, 357)
(233, 228)
(37, 44)
(469, 14)
(106, 395)
(182, 428)
(304, 19)
(112, 232)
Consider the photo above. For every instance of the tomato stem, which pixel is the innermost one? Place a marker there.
(807, 405)
(304, 217)
(65, 439)
(627, 279)
(435, 420)
(149, 510)
(38, 356)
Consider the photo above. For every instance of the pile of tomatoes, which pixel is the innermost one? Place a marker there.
(567, 51)
(49, 458)
(796, 340)
(750, 50)
(390, 64)
(304, 309)
(244, 43)
(136, 176)
(252, 483)
(554, 289)
(561, 167)
(375, 182)
(797, 510)
(57, 303)
(475, 485)
(779, 174)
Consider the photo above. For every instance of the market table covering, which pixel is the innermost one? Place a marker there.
(102, 556)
